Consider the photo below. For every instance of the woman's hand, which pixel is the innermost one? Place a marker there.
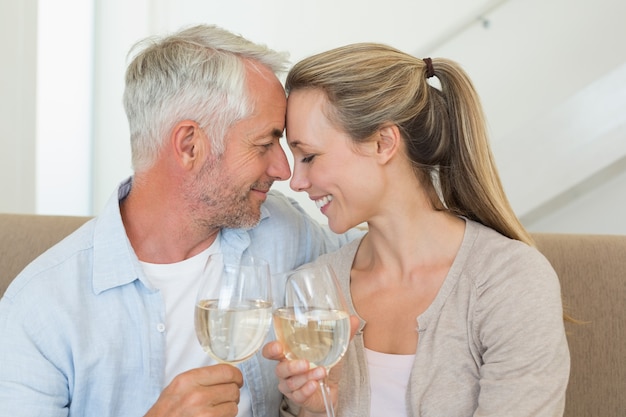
(300, 383)
(297, 381)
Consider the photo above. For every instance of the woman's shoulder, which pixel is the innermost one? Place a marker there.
(494, 257)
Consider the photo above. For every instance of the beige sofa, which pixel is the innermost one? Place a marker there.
(592, 270)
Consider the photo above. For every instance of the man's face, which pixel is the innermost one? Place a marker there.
(230, 188)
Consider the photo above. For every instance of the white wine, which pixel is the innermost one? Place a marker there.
(319, 336)
(232, 335)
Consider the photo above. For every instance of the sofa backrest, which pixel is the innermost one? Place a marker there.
(23, 237)
(591, 269)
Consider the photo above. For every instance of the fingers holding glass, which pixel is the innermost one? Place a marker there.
(314, 323)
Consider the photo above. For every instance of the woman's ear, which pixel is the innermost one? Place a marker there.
(188, 143)
(388, 140)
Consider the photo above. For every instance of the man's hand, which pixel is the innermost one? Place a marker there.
(211, 391)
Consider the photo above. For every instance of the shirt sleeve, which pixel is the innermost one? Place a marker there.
(519, 328)
(30, 384)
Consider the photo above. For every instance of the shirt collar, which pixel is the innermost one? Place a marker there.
(115, 261)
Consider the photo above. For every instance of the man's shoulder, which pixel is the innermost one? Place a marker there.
(53, 266)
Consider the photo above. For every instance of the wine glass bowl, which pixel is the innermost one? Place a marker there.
(315, 335)
(314, 323)
(233, 308)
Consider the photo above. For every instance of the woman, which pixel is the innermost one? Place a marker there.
(459, 314)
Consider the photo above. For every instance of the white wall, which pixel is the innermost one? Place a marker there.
(277, 23)
(551, 75)
(553, 85)
(588, 207)
(64, 107)
(18, 23)
(45, 106)
(118, 25)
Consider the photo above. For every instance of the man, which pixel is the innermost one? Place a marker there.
(102, 324)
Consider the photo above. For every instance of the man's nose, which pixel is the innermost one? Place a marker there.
(279, 166)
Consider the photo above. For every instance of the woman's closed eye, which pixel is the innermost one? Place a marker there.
(307, 159)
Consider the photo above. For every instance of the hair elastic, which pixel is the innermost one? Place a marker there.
(430, 71)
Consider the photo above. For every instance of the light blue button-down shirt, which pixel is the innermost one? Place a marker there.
(82, 331)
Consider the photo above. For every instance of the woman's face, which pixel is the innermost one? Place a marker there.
(339, 175)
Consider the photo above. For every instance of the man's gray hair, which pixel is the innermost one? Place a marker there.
(197, 74)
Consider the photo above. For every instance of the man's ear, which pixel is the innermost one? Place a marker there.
(188, 142)
(388, 140)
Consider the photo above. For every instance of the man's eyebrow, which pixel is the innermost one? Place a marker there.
(277, 133)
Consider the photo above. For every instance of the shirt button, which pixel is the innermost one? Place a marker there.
(160, 327)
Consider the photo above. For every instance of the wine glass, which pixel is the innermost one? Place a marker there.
(314, 324)
(233, 308)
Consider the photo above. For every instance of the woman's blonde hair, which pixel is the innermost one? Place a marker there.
(370, 85)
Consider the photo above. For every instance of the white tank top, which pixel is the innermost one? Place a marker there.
(389, 377)
(178, 284)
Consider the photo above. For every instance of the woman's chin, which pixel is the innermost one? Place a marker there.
(340, 228)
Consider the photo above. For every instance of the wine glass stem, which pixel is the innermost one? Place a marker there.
(328, 402)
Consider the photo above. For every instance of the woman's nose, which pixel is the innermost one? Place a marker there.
(299, 180)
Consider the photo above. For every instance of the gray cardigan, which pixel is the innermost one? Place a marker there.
(492, 343)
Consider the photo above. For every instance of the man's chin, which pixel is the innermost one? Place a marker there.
(249, 220)
(249, 225)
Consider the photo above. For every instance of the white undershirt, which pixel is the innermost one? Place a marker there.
(178, 284)
(389, 377)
